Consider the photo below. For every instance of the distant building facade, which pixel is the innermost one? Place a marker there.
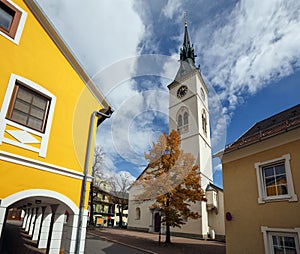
(124, 216)
(261, 179)
(104, 208)
(189, 115)
(108, 207)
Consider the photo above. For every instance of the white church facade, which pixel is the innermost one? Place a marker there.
(189, 115)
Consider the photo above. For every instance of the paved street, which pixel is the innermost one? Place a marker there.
(16, 241)
(148, 242)
(95, 245)
(113, 241)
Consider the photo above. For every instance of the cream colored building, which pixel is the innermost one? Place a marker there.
(261, 180)
(189, 115)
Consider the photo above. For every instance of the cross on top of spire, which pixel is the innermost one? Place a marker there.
(185, 20)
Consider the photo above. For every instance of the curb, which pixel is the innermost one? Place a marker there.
(125, 244)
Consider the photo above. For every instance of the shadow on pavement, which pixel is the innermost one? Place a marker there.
(16, 240)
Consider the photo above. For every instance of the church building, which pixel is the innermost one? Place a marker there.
(189, 115)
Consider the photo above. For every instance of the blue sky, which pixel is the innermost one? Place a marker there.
(249, 53)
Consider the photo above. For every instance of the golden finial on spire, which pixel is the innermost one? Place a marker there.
(185, 20)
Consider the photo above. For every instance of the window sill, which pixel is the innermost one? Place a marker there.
(289, 198)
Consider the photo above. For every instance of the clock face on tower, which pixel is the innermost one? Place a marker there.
(182, 91)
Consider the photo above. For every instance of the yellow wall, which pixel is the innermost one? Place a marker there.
(31, 178)
(38, 59)
(243, 233)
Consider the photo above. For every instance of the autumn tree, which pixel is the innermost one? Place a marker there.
(172, 181)
(119, 184)
(97, 173)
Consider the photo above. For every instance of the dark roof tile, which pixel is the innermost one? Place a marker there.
(276, 124)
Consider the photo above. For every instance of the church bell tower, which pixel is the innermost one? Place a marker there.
(189, 115)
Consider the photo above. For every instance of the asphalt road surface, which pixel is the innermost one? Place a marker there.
(95, 245)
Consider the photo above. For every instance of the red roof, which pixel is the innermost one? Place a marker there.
(274, 125)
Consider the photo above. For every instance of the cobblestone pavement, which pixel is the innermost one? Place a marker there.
(148, 242)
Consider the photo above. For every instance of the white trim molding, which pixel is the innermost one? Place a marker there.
(27, 162)
(6, 202)
(21, 25)
(268, 232)
(6, 125)
(291, 196)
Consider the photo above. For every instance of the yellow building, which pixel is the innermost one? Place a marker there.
(46, 102)
(261, 179)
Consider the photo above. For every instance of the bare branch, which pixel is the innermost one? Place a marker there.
(97, 162)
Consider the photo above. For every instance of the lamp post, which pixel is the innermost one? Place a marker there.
(101, 117)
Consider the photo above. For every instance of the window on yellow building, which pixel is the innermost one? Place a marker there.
(274, 179)
(277, 240)
(275, 183)
(9, 18)
(286, 243)
(28, 107)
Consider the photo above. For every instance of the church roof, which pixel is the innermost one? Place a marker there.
(214, 187)
(185, 68)
(280, 123)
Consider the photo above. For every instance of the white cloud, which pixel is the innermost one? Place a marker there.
(172, 8)
(132, 128)
(218, 167)
(170, 68)
(100, 32)
(258, 43)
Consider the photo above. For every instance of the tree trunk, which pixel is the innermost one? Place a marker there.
(92, 204)
(168, 232)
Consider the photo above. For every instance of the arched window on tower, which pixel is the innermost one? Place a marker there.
(183, 120)
(179, 121)
(204, 122)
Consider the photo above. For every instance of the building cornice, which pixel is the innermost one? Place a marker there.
(27, 162)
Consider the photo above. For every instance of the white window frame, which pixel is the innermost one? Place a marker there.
(184, 128)
(17, 37)
(269, 232)
(263, 198)
(5, 123)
